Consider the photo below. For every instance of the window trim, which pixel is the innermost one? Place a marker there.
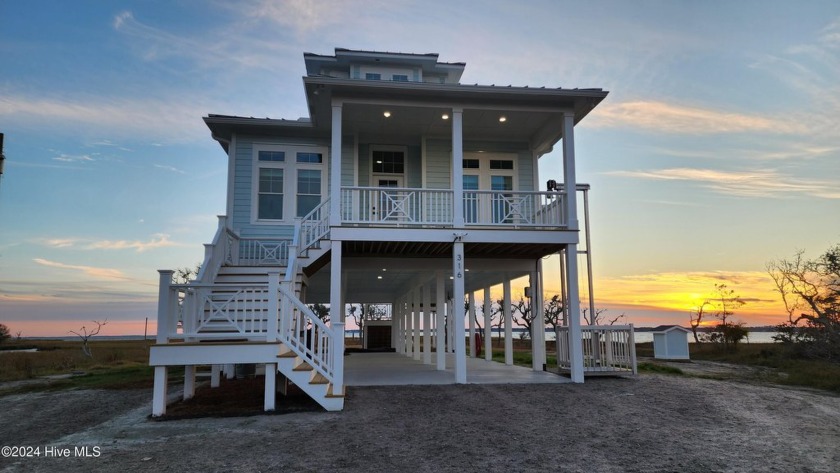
(290, 167)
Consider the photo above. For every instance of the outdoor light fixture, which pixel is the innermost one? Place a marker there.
(445, 116)
(502, 119)
(387, 114)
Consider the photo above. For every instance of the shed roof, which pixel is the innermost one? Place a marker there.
(668, 328)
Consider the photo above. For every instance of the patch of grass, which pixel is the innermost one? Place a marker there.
(793, 371)
(60, 357)
(657, 368)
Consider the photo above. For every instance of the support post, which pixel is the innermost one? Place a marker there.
(338, 358)
(189, 382)
(458, 266)
(458, 167)
(575, 332)
(415, 311)
(335, 165)
(537, 323)
(160, 392)
(270, 394)
(488, 325)
(471, 315)
(440, 296)
(508, 322)
(215, 376)
(164, 315)
(336, 302)
(427, 324)
(274, 314)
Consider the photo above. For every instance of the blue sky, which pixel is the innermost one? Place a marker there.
(716, 151)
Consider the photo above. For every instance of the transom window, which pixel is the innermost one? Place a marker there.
(501, 164)
(400, 77)
(276, 156)
(388, 162)
(471, 164)
(373, 76)
(316, 158)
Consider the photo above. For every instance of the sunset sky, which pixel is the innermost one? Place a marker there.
(717, 150)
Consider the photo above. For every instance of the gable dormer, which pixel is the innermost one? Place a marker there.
(384, 66)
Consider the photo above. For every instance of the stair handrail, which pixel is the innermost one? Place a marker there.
(314, 226)
(214, 253)
(307, 335)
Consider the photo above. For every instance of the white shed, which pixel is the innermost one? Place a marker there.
(670, 342)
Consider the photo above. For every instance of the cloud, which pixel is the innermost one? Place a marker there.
(664, 117)
(66, 158)
(174, 120)
(169, 168)
(99, 273)
(756, 183)
(158, 240)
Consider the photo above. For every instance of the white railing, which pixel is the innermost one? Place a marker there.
(206, 311)
(396, 206)
(214, 253)
(514, 209)
(313, 227)
(310, 338)
(262, 252)
(606, 349)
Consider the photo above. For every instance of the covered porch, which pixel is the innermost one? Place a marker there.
(393, 369)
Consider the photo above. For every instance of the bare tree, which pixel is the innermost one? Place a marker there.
(596, 319)
(185, 274)
(555, 311)
(86, 336)
(525, 317)
(695, 319)
(810, 290)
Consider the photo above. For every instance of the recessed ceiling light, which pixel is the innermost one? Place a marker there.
(445, 116)
(378, 277)
(384, 269)
(387, 114)
(502, 119)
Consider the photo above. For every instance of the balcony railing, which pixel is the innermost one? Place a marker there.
(396, 206)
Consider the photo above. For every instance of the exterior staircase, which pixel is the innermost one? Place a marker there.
(245, 307)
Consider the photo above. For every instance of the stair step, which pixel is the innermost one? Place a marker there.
(303, 367)
(288, 354)
(330, 392)
(319, 379)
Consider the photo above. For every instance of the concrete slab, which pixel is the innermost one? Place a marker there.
(391, 369)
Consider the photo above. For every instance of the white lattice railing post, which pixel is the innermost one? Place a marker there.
(273, 309)
(164, 315)
(338, 357)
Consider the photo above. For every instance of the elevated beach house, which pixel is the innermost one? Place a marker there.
(404, 187)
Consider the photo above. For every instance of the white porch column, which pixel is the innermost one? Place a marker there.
(427, 324)
(450, 327)
(573, 301)
(458, 312)
(440, 295)
(569, 178)
(336, 300)
(508, 322)
(488, 325)
(189, 382)
(274, 306)
(160, 392)
(229, 370)
(335, 166)
(572, 284)
(538, 323)
(458, 167)
(471, 315)
(270, 393)
(215, 376)
(415, 312)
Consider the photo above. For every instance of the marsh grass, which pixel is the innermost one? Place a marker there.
(64, 357)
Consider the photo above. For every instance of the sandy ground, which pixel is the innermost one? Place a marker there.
(650, 423)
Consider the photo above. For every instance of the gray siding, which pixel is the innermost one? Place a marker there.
(438, 164)
(414, 167)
